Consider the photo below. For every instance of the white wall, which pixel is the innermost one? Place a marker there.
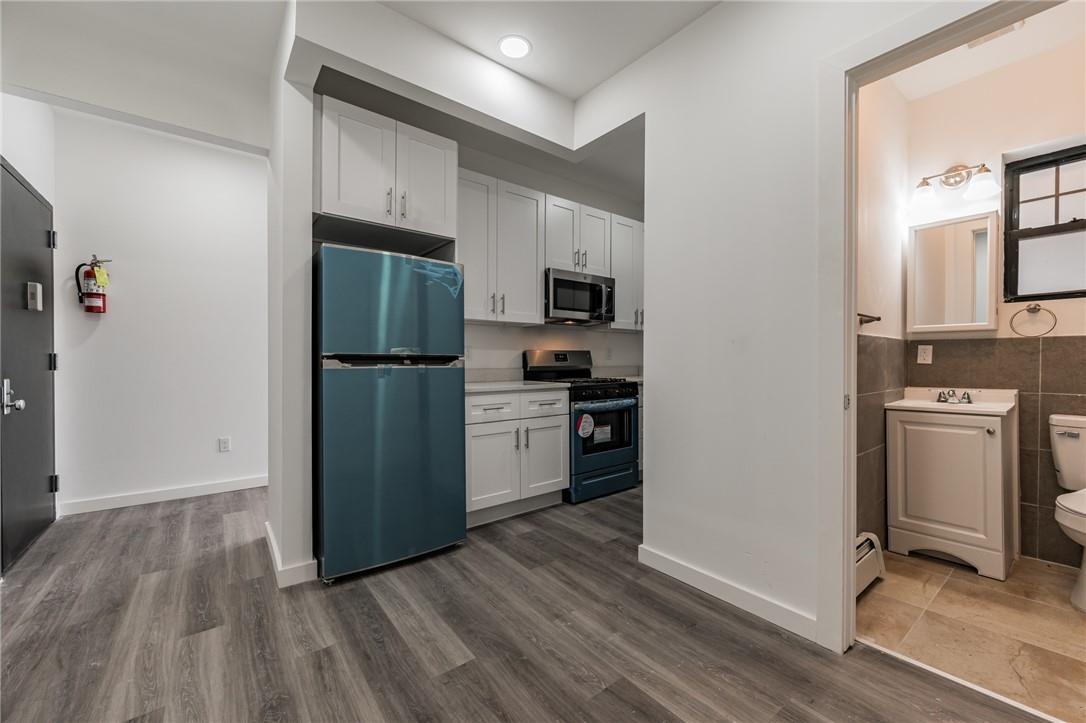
(26, 141)
(181, 356)
(1030, 103)
(883, 157)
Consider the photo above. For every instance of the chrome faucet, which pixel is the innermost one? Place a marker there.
(966, 399)
(942, 396)
(952, 397)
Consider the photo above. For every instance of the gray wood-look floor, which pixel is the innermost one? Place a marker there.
(170, 612)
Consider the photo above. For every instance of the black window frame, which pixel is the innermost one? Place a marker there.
(1012, 235)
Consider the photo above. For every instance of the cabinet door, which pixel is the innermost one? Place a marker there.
(563, 234)
(624, 268)
(476, 242)
(493, 463)
(595, 241)
(358, 162)
(945, 476)
(521, 241)
(544, 461)
(425, 181)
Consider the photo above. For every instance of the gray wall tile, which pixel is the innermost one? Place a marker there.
(1027, 475)
(981, 363)
(1048, 488)
(871, 493)
(880, 364)
(1029, 406)
(1028, 516)
(1063, 364)
(1053, 544)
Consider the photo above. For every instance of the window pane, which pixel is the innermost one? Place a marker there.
(1073, 176)
(1050, 264)
(1036, 184)
(1035, 214)
(1072, 206)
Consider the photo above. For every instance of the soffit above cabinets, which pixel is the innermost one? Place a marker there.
(1039, 33)
(575, 45)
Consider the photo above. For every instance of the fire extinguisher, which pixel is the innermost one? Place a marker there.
(91, 280)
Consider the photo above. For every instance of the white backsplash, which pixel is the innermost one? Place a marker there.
(493, 352)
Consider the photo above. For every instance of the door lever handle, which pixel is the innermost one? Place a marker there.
(10, 404)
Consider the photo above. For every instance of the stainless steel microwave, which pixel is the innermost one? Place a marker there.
(575, 298)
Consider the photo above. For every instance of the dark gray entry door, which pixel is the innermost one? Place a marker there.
(27, 503)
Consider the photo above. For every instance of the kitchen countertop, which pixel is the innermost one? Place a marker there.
(515, 385)
(639, 380)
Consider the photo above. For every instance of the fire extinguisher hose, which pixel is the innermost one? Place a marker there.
(79, 281)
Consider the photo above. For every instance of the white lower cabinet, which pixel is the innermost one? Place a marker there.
(544, 461)
(519, 458)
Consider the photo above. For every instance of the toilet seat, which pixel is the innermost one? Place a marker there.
(1073, 502)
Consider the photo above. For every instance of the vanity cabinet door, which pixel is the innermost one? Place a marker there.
(945, 478)
(545, 455)
(493, 463)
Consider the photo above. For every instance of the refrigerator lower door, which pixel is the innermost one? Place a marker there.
(391, 465)
(377, 303)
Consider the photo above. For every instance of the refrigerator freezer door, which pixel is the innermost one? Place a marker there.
(391, 466)
(374, 303)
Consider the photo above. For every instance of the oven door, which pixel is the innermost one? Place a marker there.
(574, 298)
(603, 434)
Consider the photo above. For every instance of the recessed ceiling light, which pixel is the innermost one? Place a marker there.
(514, 46)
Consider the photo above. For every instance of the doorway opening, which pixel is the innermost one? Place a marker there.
(968, 271)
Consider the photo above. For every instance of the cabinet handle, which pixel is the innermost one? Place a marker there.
(584, 259)
(642, 317)
(526, 436)
(503, 303)
(516, 441)
(388, 202)
(990, 431)
(548, 404)
(576, 258)
(494, 409)
(403, 205)
(493, 303)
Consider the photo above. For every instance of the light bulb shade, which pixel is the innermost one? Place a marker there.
(982, 185)
(923, 193)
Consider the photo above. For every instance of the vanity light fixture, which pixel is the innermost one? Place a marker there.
(514, 46)
(979, 177)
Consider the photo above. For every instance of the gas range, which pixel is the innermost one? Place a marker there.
(603, 422)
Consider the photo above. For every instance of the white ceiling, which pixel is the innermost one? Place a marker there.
(575, 45)
(1041, 32)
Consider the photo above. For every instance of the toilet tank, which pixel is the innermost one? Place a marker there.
(1068, 434)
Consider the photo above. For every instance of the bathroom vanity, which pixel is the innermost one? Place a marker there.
(952, 476)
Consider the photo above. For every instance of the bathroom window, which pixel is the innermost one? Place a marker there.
(1045, 235)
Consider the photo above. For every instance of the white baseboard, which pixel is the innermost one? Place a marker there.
(109, 502)
(285, 576)
(775, 612)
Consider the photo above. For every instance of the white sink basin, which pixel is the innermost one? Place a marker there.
(992, 402)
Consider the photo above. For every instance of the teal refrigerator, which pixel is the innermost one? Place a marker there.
(389, 479)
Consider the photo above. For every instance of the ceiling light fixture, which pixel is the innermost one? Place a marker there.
(514, 46)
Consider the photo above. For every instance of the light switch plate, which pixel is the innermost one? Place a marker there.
(924, 353)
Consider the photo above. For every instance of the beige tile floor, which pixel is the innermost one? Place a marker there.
(1019, 638)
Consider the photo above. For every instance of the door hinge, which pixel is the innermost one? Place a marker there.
(848, 401)
(54, 483)
(52, 361)
(52, 239)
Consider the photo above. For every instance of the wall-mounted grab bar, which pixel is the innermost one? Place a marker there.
(868, 318)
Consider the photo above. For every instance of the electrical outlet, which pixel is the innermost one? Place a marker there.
(924, 353)
(224, 444)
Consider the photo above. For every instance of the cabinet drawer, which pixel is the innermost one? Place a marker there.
(491, 407)
(544, 403)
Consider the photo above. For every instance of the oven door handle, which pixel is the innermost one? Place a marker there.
(608, 406)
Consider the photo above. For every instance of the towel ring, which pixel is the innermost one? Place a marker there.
(1033, 309)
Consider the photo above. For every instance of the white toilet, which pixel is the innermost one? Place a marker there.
(1069, 454)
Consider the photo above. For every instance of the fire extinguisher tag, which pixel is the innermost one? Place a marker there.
(101, 276)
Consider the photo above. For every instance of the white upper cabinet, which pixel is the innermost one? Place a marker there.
(520, 257)
(477, 241)
(595, 241)
(627, 267)
(563, 234)
(378, 170)
(358, 163)
(425, 181)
